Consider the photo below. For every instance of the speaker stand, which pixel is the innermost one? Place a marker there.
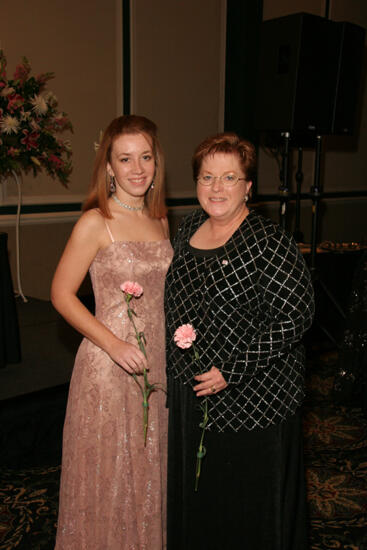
(297, 234)
(284, 185)
(315, 193)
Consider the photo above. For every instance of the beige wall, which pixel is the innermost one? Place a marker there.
(42, 240)
(178, 50)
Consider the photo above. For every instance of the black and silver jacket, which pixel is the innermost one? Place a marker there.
(250, 304)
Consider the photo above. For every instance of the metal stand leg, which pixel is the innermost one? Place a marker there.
(284, 186)
(298, 235)
(316, 196)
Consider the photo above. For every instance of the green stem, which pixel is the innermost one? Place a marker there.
(204, 406)
(201, 449)
(146, 389)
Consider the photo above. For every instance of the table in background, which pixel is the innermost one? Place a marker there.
(9, 329)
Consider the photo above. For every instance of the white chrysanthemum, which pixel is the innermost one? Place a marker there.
(39, 104)
(6, 91)
(9, 124)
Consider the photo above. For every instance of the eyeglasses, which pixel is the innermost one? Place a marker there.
(228, 180)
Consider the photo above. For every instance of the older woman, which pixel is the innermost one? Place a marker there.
(242, 285)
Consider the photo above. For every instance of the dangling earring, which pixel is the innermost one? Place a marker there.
(246, 198)
(152, 185)
(112, 184)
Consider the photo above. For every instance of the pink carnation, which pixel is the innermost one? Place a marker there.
(21, 72)
(184, 336)
(132, 288)
(12, 152)
(30, 139)
(56, 161)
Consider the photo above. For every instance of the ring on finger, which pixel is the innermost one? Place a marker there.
(213, 389)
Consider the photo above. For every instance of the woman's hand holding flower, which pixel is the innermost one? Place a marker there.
(210, 382)
(128, 356)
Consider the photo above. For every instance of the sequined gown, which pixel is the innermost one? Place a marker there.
(112, 494)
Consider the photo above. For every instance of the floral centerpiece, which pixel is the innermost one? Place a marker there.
(30, 124)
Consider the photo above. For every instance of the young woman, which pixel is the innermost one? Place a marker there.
(113, 486)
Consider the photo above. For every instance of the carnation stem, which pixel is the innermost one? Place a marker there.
(147, 388)
(204, 407)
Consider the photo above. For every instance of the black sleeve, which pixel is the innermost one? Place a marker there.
(286, 291)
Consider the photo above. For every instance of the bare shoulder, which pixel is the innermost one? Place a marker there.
(91, 224)
(165, 225)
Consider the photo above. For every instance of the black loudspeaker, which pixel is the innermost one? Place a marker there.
(348, 80)
(309, 75)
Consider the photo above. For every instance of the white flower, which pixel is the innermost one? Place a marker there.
(6, 91)
(39, 104)
(9, 124)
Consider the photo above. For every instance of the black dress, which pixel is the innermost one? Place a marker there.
(251, 492)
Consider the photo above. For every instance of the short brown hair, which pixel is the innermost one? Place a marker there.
(99, 191)
(229, 143)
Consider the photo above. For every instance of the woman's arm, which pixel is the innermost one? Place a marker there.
(164, 222)
(285, 287)
(83, 245)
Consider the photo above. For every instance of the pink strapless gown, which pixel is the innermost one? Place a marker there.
(113, 489)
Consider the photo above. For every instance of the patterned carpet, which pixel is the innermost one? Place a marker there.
(336, 464)
(336, 461)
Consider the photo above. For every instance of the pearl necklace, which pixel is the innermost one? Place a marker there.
(134, 208)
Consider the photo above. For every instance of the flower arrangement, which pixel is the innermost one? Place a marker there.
(184, 338)
(132, 290)
(30, 124)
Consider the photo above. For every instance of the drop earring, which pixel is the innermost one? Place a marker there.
(246, 198)
(152, 185)
(112, 184)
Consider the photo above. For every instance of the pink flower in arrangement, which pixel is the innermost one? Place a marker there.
(184, 336)
(132, 288)
(30, 139)
(60, 123)
(2, 65)
(12, 152)
(21, 72)
(14, 102)
(56, 161)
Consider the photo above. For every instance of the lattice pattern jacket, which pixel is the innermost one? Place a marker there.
(250, 305)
